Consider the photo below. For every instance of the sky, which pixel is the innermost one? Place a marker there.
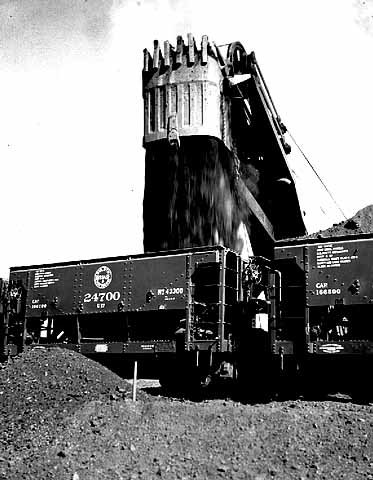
(71, 116)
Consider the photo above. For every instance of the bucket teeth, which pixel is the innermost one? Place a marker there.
(184, 83)
(192, 49)
(148, 61)
(171, 56)
(204, 45)
(179, 50)
(167, 53)
(157, 55)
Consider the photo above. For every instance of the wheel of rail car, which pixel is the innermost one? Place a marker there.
(237, 58)
(255, 381)
(179, 378)
(168, 374)
(168, 381)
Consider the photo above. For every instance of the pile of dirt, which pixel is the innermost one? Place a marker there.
(361, 222)
(66, 417)
(41, 387)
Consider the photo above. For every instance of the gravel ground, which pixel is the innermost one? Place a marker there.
(67, 417)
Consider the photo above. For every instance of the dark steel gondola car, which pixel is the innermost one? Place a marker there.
(160, 304)
(326, 309)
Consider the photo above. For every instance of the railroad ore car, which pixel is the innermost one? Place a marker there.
(326, 317)
(301, 319)
(165, 305)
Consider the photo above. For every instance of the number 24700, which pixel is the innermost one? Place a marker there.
(101, 297)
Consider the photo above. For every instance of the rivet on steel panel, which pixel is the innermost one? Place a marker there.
(204, 45)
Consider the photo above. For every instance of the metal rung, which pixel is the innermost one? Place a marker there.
(92, 339)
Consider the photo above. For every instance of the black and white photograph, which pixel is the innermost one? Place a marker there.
(186, 239)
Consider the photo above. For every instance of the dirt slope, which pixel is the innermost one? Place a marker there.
(66, 417)
(361, 222)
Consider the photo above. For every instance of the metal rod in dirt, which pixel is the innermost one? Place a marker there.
(134, 385)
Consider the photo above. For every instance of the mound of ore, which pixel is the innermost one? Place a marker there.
(361, 222)
(64, 418)
(40, 388)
